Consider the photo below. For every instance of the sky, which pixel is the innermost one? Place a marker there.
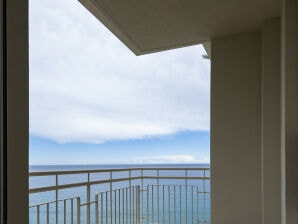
(92, 101)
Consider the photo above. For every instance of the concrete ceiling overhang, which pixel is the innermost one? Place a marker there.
(147, 26)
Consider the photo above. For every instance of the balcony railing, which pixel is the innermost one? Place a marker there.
(121, 196)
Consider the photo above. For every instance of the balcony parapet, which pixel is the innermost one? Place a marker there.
(147, 184)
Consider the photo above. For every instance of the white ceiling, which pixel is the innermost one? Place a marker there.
(153, 25)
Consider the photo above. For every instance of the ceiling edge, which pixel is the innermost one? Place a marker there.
(94, 8)
(108, 22)
(207, 46)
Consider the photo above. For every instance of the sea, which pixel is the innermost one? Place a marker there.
(161, 201)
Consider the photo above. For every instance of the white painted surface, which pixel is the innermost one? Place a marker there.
(150, 26)
(236, 183)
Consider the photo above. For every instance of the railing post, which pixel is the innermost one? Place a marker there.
(142, 188)
(204, 186)
(71, 209)
(180, 202)
(174, 204)
(115, 206)
(64, 214)
(133, 205)
(139, 204)
(88, 199)
(186, 199)
(38, 214)
(78, 210)
(57, 197)
(126, 201)
(198, 215)
(119, 205)
(123, 196)
(169, 204)
(147, 213)
(48, 213)
(152, 200)
(111, 197)
(163, 204)
(96, 209)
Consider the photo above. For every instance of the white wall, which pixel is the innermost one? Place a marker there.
(236, 180)
(246, 127)
(290, 111)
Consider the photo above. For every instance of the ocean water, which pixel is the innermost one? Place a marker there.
(161, 201)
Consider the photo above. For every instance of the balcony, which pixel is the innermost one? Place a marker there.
(121, 196)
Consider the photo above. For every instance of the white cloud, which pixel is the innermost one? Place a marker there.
(167, 159)
(86, 86)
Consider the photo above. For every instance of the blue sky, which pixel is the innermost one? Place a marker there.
(183, 147)
(92, 101)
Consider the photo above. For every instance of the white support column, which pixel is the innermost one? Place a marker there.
(271, 121)
(236, 111)
(290, 111)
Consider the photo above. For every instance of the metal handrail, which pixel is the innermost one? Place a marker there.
(52, 173)
(110, 180)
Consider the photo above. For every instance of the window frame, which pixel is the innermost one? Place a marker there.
(14, 112)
